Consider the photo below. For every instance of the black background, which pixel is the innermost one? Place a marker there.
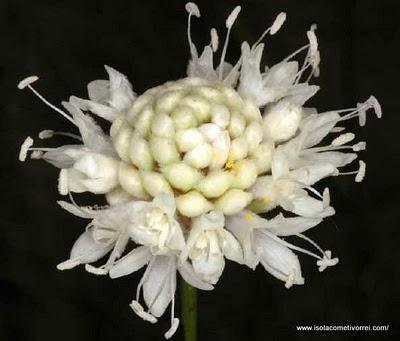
(67, 43)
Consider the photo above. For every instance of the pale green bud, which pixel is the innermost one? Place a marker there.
(233, 201)
(220, 115)
(245, 174)
(122, 140)
(188, 139)
(183, 118)
(118, 196)
(232, 98)
(163, 126)
(211, 94)
(137, 107)
(163, 150)
(192, 204)
(251, 112)
(168, 100)
(239, 148)
(215, 183)
(262, 156)
(220, 147)
(201, 107)
(182, 176)
(200, 156)
(140, 154)
(237, 125)
(155, 183)
(253, 135)
(130, 181)
(143, 120)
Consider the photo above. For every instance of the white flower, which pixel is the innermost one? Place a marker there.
(208, 244)
(153, 224)
(188, 164)
(287, 188)
(158, 282)
(261, 243)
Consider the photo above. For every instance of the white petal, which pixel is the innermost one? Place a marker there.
(132, 262)
(188, 274)
(309, 175)
(92, 135)
(277, 259)
(121, 94)
(282, 226)
(88, 250)
(231, 247)
(160, 284)
(99, 91)
(81, 212)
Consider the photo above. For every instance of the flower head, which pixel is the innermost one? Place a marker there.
(188, 165)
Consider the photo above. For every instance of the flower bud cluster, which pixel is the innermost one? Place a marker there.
(199, 140)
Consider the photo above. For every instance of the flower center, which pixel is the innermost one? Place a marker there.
(196, 139)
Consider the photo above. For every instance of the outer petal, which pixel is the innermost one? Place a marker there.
(99, 91)
(316, 126)
(88, 250)
(231, 247)
(309, 175)
(101, 110)
(241, 225)
(121, 94)
(337, 159)
(304, 205)
(300, 93)
(188, 274)
(92, 135)
(160, 284)
(282, 226)
(277, 259)
(132, 262)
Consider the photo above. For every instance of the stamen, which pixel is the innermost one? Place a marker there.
(192, 9)
(229, 22)
(63, 182)
(48, 133)
(326, 197)
(96, 271)
(68, 264)
(25, 148)
(274, 28)
(295, 53)
(327, 261)
(361, 171)
(337, 129)
(279, 21)
(359, 146)
(214, 39)
(138, 309)
(174, 320)
(27, 81)
(37, 154)
(172, 330)
(290, 246)
(343, 139)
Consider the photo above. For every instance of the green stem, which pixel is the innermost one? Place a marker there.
(189, 311)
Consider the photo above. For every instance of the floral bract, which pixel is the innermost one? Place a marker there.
(189, 166)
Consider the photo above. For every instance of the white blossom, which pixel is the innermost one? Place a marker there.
(187, 165)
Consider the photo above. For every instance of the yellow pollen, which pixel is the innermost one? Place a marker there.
(265, 200)
(231, 164)
(249, 216)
